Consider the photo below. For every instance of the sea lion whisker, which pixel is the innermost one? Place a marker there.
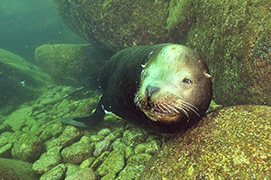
(187, 103)
(191, 108)
(172, 106)
(161, 109)
(164, 106)
(184, 111)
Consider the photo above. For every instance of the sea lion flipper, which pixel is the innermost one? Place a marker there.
(79, 121)
(87, 120)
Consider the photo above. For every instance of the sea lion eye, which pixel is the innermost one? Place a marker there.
(187, 81)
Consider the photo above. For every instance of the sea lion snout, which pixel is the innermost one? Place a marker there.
(150, 90)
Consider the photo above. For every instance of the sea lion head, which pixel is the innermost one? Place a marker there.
(175, 86)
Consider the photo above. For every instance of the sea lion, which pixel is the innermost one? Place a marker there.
(166, 86)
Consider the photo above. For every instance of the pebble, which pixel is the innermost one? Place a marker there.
(84, 174)
(56, 173)
(101, 147)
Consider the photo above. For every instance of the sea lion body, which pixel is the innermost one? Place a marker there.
(165, 86)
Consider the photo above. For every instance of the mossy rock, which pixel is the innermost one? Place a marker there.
(71, 64)
(120, 24)
(20, 81)
(229, 143)
(232, 36)
(13, 169)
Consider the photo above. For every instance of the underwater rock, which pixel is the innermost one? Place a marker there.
(114, 163)
(234, 39)
(109, 176)
(104, 132)
(77, 152)
(5, 150)
(69, 135)
(5, 128)
(47, 160)
(119, 145)
(71, 63)
(71, 168)
(129, 151)
(134, 136)
(20, 81)
(125, 23)
(83, 174)
(98, 161)
(50, 130)
(134, 167)
(5, 137)
(55, 173)
(131, 171)
(27, 148)
(232, 142)
(11, 169)
(18, 118)
(96, 138)
(101, 147)
(114, 135)
(87, 163)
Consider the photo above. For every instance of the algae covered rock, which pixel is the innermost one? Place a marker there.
(14, 169)
(234, 39)
(229, 143)
(114, 163)
(71, 63)
(47, 160)
(58, 172)
(77, 152)
(69, 135)
(20, 81)
(134, 136)
(101, 147)
(17, 119)
(134, 167)
(119, 24)
(27, 148)
(83, 174)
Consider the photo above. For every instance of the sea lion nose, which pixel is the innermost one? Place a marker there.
(150, 90)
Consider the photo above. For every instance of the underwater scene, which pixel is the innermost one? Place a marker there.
(135, 90)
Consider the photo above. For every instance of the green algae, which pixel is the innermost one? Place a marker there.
(232, 142)
(226, 34)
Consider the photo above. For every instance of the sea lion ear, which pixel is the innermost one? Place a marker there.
(207, 75)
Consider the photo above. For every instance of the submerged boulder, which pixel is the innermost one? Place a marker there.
(120, 24)
(235, 40)
(71, 63)
(232, 36)
(229, 143)
(20, 81)
(14, 169)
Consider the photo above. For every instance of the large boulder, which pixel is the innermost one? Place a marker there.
(229, 143)
(233, 36)
(120, 24)
(20, 81)
(71, 63)
(13, 169)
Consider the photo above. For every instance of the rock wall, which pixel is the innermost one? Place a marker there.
(232, 36)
